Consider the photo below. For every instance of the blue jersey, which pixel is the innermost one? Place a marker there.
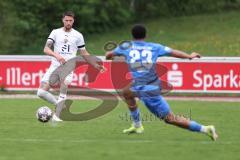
(141, 58)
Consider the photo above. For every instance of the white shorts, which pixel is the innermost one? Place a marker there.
(58, 74)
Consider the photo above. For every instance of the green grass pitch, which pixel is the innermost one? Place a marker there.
(23, 137)
(208, 34)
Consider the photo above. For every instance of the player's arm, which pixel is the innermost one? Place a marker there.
(117, 52)
(181, 54)
(91, 60)
(120, 51)
(48, 51)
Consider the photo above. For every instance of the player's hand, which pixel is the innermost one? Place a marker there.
(100, 68)
(109, 55)
(60, 59)
(194, 55)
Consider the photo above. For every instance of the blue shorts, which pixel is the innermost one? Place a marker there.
(150, 95)
(157, 105)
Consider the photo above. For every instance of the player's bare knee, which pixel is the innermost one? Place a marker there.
(132, 108)
(127, 94)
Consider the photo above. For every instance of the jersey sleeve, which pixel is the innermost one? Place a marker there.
(52, 36)
(164, 51)
(118, 51)
(122, 49)
(80, 42)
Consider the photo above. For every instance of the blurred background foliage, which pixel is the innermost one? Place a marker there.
(25, 25)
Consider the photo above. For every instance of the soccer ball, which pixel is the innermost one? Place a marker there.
(44, 114)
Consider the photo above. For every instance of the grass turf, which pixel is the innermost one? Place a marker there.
(23, 137)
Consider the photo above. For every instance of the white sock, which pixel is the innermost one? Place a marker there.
(203, 129)
(137, 124)
(46, 96)
(61, 97)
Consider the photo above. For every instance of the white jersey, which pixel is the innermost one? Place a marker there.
(66, 43)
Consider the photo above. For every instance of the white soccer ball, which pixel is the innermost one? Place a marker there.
(44, 114)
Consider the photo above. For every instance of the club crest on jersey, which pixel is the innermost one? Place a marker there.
(65, 39)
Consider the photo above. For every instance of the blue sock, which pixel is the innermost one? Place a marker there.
(135, 115)
(195, 127)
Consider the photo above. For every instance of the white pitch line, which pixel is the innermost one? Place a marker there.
(204, 99)
(30, 140)
(174, 98)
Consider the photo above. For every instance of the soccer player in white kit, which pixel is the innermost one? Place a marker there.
(66, 42)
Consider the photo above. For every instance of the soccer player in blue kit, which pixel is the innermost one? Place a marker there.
(141, 57)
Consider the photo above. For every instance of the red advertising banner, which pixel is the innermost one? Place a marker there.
(204, 76)
(210, 75)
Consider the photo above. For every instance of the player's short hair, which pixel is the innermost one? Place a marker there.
(139, 31)
(68, 13)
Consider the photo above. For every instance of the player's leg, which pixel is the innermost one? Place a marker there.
(159, 107)
(62, 95)
(63, 91)
(64, 87)
(183, 122)
(129, 97)
(44, 94)
(61, 98)
(44, 87)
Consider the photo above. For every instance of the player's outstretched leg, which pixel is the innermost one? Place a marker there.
(159, 107)
(183, 122)
(137, 126)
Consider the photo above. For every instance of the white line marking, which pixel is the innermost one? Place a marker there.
(172, 98)
(31, 140)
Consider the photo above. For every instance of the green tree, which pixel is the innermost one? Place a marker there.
(25, 25)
